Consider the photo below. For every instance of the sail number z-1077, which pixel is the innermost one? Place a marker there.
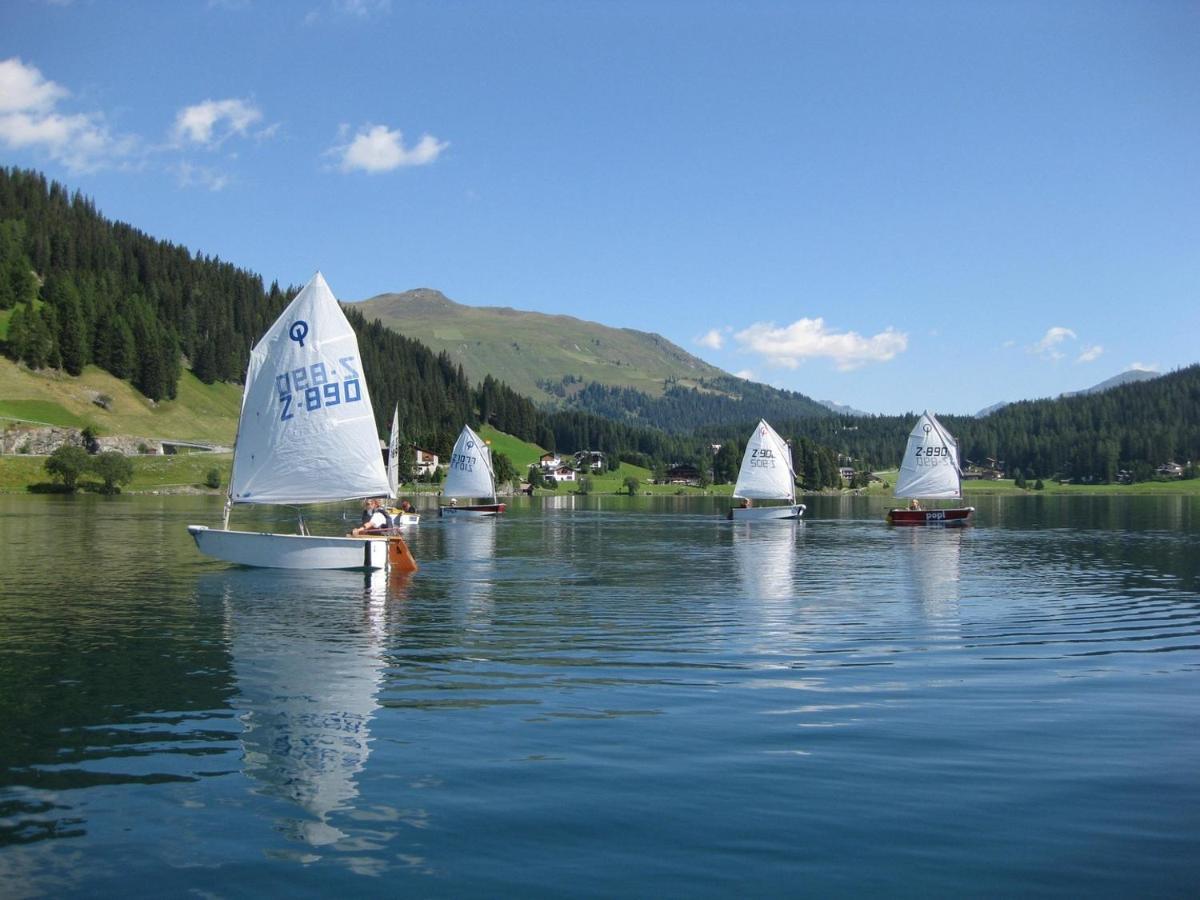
(310, 388)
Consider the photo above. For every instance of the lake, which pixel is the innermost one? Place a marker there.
(606, 696)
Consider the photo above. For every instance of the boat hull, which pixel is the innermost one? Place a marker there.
(956, 517)
(477, 510)
(291, 551)
(766, 513)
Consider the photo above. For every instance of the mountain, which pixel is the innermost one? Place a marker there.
(544, 357)
(841, 409)
(561, 362)
(1126, 377)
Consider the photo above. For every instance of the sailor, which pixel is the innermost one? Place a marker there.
(374, 518)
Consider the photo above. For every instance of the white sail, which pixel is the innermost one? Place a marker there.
(307, 431)
(766, 472)
(393, 463)
(470, 473)
(930, 469)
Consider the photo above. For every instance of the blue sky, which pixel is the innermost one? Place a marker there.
(894, 206)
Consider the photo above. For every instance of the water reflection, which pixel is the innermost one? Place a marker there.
(470, 547)
(308, 668)
(932, 562)
(766, 558)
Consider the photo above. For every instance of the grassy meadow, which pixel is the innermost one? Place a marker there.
(200, 412)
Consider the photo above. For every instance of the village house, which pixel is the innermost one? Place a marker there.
(592, 459)
(685, 474)
(426, 462)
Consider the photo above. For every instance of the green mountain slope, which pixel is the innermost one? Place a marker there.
(529, 350)
(200, 412)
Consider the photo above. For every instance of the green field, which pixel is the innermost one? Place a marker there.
(189, 471)
(200, 412)
(186, 472)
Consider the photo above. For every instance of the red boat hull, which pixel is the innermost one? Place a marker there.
(948, 517)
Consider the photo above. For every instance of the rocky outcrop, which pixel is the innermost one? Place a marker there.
(45, 439)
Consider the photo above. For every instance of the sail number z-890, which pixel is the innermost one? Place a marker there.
(931, 456)
(310, 388)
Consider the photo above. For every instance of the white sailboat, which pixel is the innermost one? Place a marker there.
(470, 477)
(306, 435)
(930, 471)
(766, 474)
(397, 516)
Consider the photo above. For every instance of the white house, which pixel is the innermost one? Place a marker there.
(426, 463)
(563, 473)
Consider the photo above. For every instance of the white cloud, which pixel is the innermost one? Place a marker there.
(214, 121)
(24, 89)
(1048, 346)
(361, 9)
(806, 338)
(348, 9)
(376, 148)
(1090, 354)
(30, 119)
(1146, 367)
(713, 339)
(745, 374)
(200, 176)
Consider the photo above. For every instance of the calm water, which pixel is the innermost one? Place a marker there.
(615, 697)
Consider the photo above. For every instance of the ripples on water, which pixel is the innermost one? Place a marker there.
(610, 699)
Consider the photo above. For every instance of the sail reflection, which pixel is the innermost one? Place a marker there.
(934, 569)
(308, 669)
(471, 547)
(766, 558)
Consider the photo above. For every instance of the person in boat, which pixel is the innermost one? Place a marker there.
(914, 504)
(374, 518)
(747, 503)
(405, 506)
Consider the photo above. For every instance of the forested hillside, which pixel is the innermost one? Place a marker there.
(78, 289)
(722, 401)
(1135, 427)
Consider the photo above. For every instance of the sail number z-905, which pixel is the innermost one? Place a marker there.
(309, 388)
(762, 458)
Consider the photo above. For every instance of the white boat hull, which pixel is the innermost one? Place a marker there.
(476, 511)
(766, 513)
(291, 551)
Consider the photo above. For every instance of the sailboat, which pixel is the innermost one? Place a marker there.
(930, 471)
(398, 517)
(766, 474)
(470, 477)
(306, 435)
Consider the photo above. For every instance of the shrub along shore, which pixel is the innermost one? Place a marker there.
(196, 472)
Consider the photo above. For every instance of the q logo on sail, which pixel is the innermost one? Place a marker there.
(299, 331)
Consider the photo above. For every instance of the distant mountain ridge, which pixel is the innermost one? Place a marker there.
(1129, 376)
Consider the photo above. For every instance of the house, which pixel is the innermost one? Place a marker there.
(426, 462)
(847, 472)
(562, 473)
(1169, 470)
(684, 474)
(548, 462)
(592, 459)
